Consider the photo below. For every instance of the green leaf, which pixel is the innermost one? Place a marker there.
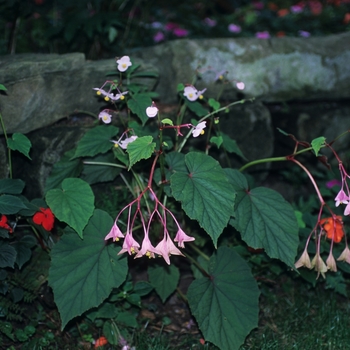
(112, 34)
(265, 219)
(141, 148)
(317, 143)
(96, 140)
(23, 250)
(142, 288)
(2, 87)
(17, 294)
(196, 108)
(225, 304)
(84, 272)
(164, 279)
(180, 87)
(11, 186)
(205, 193)
(111, 332)
(10, 204)
(128, 319)
(100, 173)
(167, 121)
(74, 204)
(214, 104)
(21, 143)
(63, 169)
(138, 104)
(217, 140)
(231, 145)
(145, 74)
(7, 255)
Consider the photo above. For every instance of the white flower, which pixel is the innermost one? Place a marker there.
(105, 117)
(118, 96)
(198, 130)
(191, 93)
(151, 111)
(104, 93)
(240, 85)
(124, 144)
(124, 63)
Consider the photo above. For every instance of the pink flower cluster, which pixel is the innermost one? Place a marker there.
(165, 247)
(343, 196)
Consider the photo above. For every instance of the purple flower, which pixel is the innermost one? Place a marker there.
(158, 37)
(210, 22)
(180, 32)
(296, 9)
(303, 33)
(262, 35)
(332, 183)
(234, 28)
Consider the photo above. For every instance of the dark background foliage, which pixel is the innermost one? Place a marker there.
(103, 28)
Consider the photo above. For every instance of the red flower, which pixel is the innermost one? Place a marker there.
(4, 224)
(334, 228)
(100, 342)
(45, 218)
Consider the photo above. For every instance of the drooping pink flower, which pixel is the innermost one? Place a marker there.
(166, 247)
(114, 233)
(129, 245)
(304, 260)
(330, 262)
(345, 255)
(347, 209)
(147, 248)
(234, 28)
(341, 198)
(181, 238)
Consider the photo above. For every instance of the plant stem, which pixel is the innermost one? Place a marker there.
(8, 148)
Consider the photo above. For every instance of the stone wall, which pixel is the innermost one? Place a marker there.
(43, 89)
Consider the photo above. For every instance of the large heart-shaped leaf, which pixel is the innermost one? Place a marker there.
(205, 193)
(225, 304)
(74, 204)
(84, 272)
(141, 148)
(164, 279)
(265, 219)
(96, 140)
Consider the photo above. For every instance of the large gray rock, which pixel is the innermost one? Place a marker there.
(42, 89)
(277, 69)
